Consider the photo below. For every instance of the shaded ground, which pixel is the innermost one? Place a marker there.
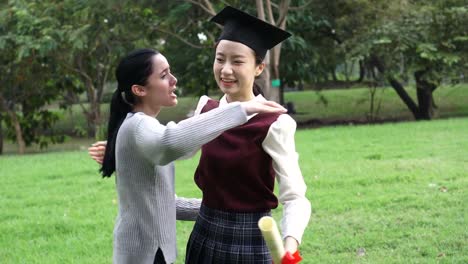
(314, 123)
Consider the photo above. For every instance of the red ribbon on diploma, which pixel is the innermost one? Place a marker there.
(291, 258)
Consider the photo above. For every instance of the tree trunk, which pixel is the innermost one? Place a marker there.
(1, 135)
(94, 120)
(274, 94)
(398, 87)
(424, 91)
(264, 80)
(272, 58)
(362, 71)
(19, 133)
(281, 94)
(9, 109)
(333, 74)
(404, 96)
(346, 72)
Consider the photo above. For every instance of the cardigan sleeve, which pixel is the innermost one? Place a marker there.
(280, 145)
(163, 144)
(201, 103)
(187, 208)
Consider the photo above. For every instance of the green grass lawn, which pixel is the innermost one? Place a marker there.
(344, 105)
(354, 104)
(393, 193)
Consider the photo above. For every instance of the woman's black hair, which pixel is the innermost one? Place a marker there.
(135, 68)
(256, 88)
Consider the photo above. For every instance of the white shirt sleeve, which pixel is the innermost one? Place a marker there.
(201, 103)
(280, 145)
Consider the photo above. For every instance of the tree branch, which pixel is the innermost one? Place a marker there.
(300, 7)
(283, 13)
(271, 19)
(294, 8)
(179, 38)
(208, 8)
(260, 10)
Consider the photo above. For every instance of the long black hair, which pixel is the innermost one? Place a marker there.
(256, 88)
(133, 69)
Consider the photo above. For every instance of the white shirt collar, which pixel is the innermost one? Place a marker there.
(259, 98)
(224, 101)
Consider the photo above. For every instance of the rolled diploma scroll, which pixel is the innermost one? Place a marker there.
(272, 238)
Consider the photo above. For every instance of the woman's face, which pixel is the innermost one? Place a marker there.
(161, 84)
(234, 68)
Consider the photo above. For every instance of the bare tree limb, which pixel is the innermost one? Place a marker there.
(293, 8)
(208, 8)
(283, 13)
(179, 38)
(271, 19)
(260, 10)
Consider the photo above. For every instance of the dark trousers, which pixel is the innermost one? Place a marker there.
(159, 258)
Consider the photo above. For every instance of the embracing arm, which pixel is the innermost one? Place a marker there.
(163, 144)
(168, 143)
(187, 208)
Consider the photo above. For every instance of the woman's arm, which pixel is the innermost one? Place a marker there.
(187, 208)
(201, 103)
(280, 145)
(168, 143)
(164, 144)
(97, 149)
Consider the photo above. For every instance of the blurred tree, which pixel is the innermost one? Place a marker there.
(402, 40)
(26, 41)
(96, 35)
(425, 39)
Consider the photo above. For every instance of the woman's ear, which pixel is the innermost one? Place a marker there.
(259, 69)
(138, 90)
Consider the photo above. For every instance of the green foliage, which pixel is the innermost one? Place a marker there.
(26, 45)
(60, 50)
(426, 35)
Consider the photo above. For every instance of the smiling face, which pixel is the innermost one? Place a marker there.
(235, 69)
(160, 86)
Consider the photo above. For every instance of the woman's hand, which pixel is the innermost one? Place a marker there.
(253, 106)
(97, 150)
(290, 244)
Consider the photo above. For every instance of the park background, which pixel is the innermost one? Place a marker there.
(378, 89)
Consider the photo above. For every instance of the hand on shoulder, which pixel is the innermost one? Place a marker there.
(254, 106)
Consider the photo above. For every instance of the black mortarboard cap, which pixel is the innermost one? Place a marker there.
(249, 30)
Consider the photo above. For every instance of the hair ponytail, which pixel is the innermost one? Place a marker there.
(133, 69)
(118, 111)
(257, 90)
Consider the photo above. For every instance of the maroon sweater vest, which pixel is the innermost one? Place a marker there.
(235, 173)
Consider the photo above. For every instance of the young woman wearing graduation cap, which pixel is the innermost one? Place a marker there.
(141, 151)
(237, 170)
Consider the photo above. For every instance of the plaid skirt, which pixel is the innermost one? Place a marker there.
(225, 237)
